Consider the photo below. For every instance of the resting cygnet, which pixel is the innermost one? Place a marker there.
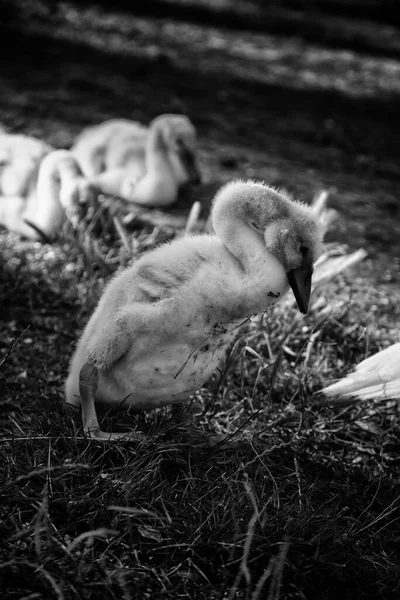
(145, 165)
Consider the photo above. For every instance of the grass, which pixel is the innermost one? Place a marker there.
(303, 502)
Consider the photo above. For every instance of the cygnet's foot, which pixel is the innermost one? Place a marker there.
(88, 383)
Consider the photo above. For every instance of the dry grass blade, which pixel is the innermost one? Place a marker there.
(328, 267)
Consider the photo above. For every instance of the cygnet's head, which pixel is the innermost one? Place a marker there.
(296, 241)
(290, 230)
(179, 137)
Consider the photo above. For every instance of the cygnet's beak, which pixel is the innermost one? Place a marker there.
(300, 282)
(190, 165)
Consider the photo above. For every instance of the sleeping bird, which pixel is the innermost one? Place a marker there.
(145, 165)
(39, 187)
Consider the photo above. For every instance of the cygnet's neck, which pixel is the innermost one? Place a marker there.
(159, 184)
(158, 163)
(237, 206)
(57, 169)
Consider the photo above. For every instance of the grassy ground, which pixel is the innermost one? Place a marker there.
(306, 503)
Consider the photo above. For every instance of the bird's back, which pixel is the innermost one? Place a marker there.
(114, 143)
(20, 158)
(175, 301)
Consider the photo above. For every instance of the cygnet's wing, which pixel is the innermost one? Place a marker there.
(376, 377)
(20, 157)
(127, 149)
(17, 146)
(102, 147)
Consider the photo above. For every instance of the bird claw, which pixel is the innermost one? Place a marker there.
(88, 383)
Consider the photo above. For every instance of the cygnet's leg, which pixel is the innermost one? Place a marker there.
(107, 345)
(88, 382)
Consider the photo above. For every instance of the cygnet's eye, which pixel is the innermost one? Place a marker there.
(256, 227)
(304, 250)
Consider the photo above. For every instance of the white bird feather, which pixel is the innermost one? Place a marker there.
(377, 377)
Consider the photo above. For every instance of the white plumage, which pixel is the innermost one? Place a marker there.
(145, 165)
(376, 377)
(163, 325)
(39, 186)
